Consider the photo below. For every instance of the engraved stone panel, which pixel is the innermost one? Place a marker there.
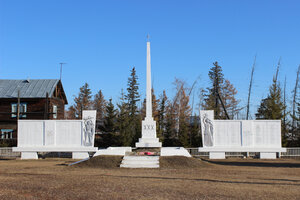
(31, 133)
(69, 134)
(49, 133)
(247, 133)
(227, 133)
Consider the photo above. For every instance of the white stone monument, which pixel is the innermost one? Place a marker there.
(76, 136)
(220, 136)
(149, 138)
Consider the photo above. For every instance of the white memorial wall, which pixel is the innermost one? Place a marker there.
(220, 136)
(75, 136)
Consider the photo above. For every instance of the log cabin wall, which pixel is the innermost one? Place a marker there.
(36, 108)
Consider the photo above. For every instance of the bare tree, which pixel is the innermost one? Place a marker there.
(250, 88)
(284, 103)
(294, 99)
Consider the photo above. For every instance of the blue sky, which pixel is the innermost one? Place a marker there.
(102, 40)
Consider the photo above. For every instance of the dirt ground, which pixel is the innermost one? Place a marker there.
(181, 179)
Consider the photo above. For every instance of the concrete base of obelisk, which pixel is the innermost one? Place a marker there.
(149, 138)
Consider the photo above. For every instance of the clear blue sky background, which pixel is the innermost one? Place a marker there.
(102, 40)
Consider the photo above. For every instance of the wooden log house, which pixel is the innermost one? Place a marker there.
(29, 99)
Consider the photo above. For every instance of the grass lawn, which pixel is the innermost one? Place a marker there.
(218, 179)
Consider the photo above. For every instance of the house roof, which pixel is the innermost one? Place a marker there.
(35, 88)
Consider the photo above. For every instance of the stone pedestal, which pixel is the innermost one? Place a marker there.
(29, 155)
(216, 155)
(140, 162)
(267, 155)
(80, 155)
(149, 138)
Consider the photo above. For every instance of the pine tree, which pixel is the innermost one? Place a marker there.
(263, 111)
(83, 100)
(195, 139)
(220, 92)
(123, 122)
(295, 114)
(111, 139)
(110, 117)
(155, 103)
(162, 116)
(170, 131)
(296, 132)
(272, 107)
(211, 100)
(133, 98)
(99, 104)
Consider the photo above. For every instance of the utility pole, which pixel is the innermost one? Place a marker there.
(61, 65)
(18, 106)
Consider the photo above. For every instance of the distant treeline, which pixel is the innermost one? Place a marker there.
(177, 125)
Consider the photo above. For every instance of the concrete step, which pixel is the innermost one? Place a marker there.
(148, 140)
(148, 144)
(141, 158)
(139, 166)
(140, 162)
(133, 162)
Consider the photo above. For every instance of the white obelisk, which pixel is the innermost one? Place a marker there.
(149, 138)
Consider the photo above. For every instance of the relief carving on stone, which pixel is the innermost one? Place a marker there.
(208, 131)
(89, 129)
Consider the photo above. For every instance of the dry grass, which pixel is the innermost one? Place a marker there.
(226, 179)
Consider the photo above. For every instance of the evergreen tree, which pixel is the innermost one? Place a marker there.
(132, 98)
(155, 103)
(110, 117)
(162, 116)
(110, 120)
(294, 129)
(99, 104)
(272, 107)
(296, 132)
(123, 122)
(211, 100)
(83, 100)
(221, 91)
(170, 126)
(195, 136)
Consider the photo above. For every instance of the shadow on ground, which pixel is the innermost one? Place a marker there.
(285, 181)
(254, 164)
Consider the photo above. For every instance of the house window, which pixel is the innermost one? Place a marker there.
(23, 110)
(54, 111)
(6, 134)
